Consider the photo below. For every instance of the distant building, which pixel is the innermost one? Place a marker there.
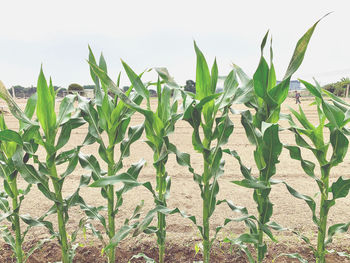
(294, 85)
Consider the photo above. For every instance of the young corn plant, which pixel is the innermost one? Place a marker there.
(207, 111)
(52, 126)
(14, 146)
(158, 125)
(265, 96)
(10, 142)
(111, 116)
(333, 117)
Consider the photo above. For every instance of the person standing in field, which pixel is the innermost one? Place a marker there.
(297, 97)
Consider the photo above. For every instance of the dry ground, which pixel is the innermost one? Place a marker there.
(182, 235)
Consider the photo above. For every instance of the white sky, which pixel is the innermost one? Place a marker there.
(157, 33)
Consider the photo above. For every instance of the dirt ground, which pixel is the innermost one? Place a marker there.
(182, 236)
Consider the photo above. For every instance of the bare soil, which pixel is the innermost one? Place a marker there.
(182, 236)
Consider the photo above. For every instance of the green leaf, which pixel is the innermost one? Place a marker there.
(8, 189)
(181, 158)
(313, 90)
(111, 180)
(230, 87)
(66, 109)
(134, 133)
(299, 51)
(13, 107)
(45, 109)
(310, 202)
(203, 81)
(11, 136)
(334, 114)
(137, 83)
(271, 149)
(254, 136)
(261, 78)
(214, 77)
(340, 188)
(251, 184)
(30, 108)
(340, 146)
(334, 229)
(66, 131)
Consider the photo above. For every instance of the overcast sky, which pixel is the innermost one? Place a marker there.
(160, 33)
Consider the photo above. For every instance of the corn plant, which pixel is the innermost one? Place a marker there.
(51, 126)
(111, 116)
(158, 126)
(265, 96)
(10, 143)
(208, 111)
(333, 117)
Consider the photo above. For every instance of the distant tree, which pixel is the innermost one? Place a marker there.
(190, 86)
(152, 93)
(125, 88)
(75, 88)
(338, 88)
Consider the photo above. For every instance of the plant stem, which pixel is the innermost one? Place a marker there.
(111, 225)
(110, 194)
(161, 217)
(60, 213)
(206, 242)
(18, 249)
(321, 252)
(260, 245)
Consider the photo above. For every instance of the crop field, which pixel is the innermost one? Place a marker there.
(182, 236)
(242, 175)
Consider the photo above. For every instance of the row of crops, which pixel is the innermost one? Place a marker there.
(208, 113)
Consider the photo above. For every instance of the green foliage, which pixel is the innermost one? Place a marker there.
(108, 117)
(208, 111)
(336, 116)
(76, 88)
(265, 96)
(338, 88)
(158, 125)
(112, 116)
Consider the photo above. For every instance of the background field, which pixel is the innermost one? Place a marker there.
(182, 235)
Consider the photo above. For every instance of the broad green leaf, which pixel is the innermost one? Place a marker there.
(334, 114)
(271, 149)
(254, 136)
(45, 109)
(230, 89)
(203, 80)
(340, 188)
(261, 78)
(340, 146)
(11, 136)
(65, 110)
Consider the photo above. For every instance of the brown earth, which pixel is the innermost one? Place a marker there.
(182, 236)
